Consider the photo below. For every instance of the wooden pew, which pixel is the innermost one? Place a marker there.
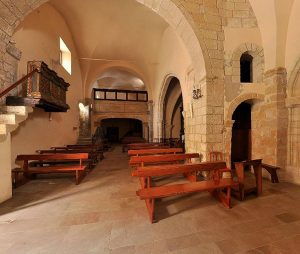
(130, 140)
(214, 186)
(148, 147)
(140, 161)
(154, 151)
(91, 160)
(97, 148)
(44, 167)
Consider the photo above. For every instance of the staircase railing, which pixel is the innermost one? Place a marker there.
(16, 84)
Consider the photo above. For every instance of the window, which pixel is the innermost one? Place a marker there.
(246, 68)
(65, 56)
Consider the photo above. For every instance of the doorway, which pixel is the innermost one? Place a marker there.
(117, 128)
(241, 133)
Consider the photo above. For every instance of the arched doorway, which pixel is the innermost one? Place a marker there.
(115, 129)
(241, 133)
(173, 121)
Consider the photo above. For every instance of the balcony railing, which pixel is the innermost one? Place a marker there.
(120, 95)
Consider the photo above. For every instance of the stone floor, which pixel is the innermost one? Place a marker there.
(103, 215)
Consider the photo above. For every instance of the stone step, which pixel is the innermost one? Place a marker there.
(18, 110)
(6, 128)
(11, 118)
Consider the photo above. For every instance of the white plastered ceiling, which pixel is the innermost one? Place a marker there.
(116, 33)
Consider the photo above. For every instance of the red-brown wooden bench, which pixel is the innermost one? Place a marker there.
(215, 186)
(92, 158)
(155, 151)
(43, 166)
(140, 161)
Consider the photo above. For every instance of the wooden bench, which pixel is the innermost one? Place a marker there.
(154, 151)
(272, 170)
(148, 147)
(17, 177)
(140, 161)
(130, 140)
(214, 186)
(44, 167)
(92, 158)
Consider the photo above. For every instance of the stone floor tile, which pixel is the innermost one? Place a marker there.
(104, 215)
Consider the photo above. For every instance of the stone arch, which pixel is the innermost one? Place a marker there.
(293, 104)
(229, 122)
(294, 82)
(172, 12)
(238, 100)
(253, 50)
(142, 119)
(129, 68)
(161, 99)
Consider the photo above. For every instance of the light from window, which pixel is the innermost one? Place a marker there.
(65, 56)
(246, 63)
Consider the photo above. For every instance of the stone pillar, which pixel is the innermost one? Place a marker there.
(146, 131)
(275, 122)
(293, 150)
(150, 120)
(5, 169)
(227, 141)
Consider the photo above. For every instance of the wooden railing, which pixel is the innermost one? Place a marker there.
(19, 82)
(41, 87)
(120, 95)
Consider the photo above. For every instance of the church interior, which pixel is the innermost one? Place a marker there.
(149, 126)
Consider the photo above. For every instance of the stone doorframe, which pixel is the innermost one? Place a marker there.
(293, 104)
(143, 119)
(228, 123)
(160, 104)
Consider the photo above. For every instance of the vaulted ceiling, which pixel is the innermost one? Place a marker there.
(114, 31)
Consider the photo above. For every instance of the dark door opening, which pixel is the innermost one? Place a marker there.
(241, 133)
(117, 128)
(112, 134)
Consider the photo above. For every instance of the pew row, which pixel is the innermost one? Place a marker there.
(215, 186)
(93, 155)
(141, 161)
(46, 164)
(154, 151)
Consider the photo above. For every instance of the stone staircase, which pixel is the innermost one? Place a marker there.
(11, 117)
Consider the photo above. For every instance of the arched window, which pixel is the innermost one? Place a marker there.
(246, 63)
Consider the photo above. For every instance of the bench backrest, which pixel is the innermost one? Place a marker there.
(73, 156)
(162, 158)
(68, 151)
(177, 169)
(154, 151)
(95, 146)
(149, 147)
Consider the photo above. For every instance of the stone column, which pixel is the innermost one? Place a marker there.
(146, 131)
(227, 141)
(275, 122)
(5, 169)
(150, 120)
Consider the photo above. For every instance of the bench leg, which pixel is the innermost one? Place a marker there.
(150, 207)
(79, 176)
(225, 199)
(274, 177)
